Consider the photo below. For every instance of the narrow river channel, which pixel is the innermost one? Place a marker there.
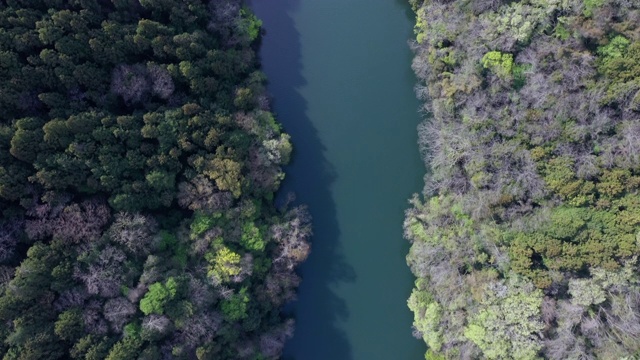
(339, 71)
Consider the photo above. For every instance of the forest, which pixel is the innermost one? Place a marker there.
(526, 238)
(138, 165)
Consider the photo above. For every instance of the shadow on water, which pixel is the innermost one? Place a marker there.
(318, 310)
(411, 16)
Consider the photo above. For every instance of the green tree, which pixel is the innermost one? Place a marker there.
(252, 238)
(70, 325)
(235, 308)
(499, 63)
(158, 296)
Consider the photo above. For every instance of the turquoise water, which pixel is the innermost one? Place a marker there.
(339, 72)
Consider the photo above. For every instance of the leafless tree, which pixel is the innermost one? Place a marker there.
(104, 274)
(225, 16)
(548, 310)
(200, 293)
(118, 311)
(134, 295)
(9, 232)
(202, 194)
(131, 82)
(153, 270)
(272, 342)
(134, 231)
(157, 324)
(292, 237)
(94, 323)
(162, 82)
(246, 266)
(74, 297)
(201, 328)
(263, 173)
(73, 223)
(6, 274)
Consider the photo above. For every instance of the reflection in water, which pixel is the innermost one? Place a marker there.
(310, 176)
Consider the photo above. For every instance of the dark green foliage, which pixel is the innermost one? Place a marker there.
(138, 163)
(235, 308)
(525, 245)
(70, 325)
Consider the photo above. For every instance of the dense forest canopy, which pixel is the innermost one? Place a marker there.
(525, 244)
(138, 165)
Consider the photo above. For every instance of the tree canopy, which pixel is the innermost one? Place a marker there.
(138, 165)
(525, 241)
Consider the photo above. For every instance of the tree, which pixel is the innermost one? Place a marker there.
(131, 82)
(70, 326)
(111, 111)
(103, 274)
(224, 264)
(252, 238)
(26, 139)
(292, 237)
(155, 326)
(118, 311)
(272, 343)
(155, 299)
(127, 348)
(135, 232)
(159, 296)
(499, 63)
(235, 308)
(508, 326)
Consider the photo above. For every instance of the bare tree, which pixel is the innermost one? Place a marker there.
(272, 342)
(74, 297)
(73, 223)
(9, 232)
(201, 328)
(292, 237)
(118, 311)
(93, 322)
(157, 324)
(134, 231)
(162, 82)
(200, 293)
(6, 274)
(131, 82)
(104, 274)
(225, 16)
(202, 194)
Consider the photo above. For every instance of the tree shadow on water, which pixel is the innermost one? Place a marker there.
(318, 310)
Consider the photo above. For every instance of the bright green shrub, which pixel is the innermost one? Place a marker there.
(499, 63)
(223, 264)
(158, 296)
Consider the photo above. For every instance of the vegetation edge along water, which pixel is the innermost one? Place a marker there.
(525, 242)
(138, 165)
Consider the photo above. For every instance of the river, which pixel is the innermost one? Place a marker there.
(339, 72)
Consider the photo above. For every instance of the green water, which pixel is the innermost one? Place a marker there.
(339, 72)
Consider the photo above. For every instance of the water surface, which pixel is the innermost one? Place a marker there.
(339, 72)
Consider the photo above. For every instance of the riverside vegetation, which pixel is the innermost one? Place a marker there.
(525, 244)
(138, 165)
